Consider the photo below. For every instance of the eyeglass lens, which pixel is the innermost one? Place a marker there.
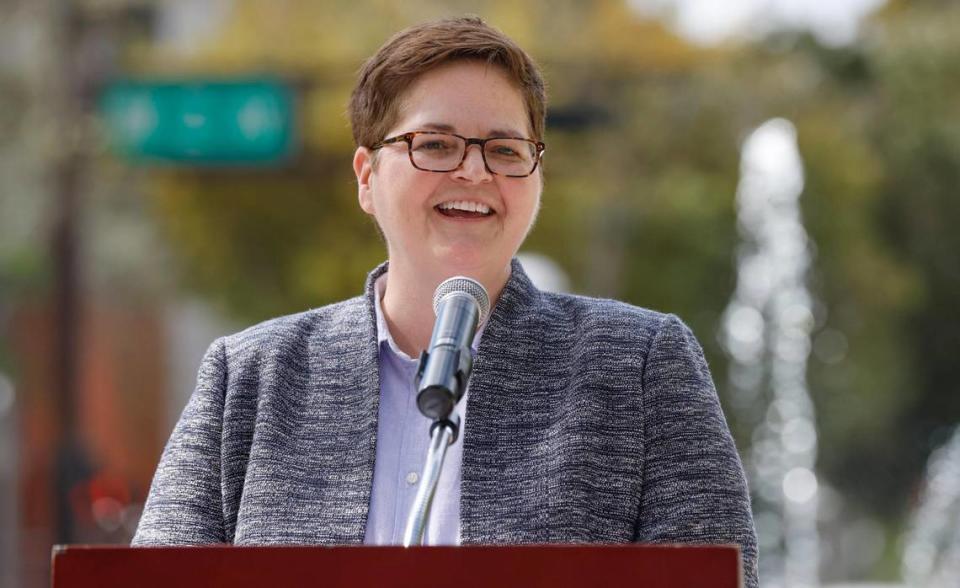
(441, 152)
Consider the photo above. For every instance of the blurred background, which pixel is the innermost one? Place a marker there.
(781, 174)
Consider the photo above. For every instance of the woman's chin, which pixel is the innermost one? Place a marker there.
(468, 260)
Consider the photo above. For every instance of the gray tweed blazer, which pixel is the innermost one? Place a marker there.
(589, 421)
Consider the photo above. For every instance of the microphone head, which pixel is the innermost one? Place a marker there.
(463, 285)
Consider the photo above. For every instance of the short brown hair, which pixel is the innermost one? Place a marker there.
(375, 102)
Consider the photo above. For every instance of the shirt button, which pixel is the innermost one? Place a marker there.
(412, 478)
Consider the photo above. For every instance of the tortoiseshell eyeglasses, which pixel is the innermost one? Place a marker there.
(433, 151)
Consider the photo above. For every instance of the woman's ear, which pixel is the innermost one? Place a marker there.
(363, 168)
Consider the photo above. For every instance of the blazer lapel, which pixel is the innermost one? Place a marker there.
(505, 495)
(351, 395)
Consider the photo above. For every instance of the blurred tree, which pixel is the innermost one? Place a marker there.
(917, 136)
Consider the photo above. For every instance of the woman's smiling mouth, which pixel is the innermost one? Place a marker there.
(464, 209)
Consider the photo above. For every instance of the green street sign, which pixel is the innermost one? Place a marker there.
(201, 122)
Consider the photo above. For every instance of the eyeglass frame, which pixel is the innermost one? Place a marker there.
(407, 138)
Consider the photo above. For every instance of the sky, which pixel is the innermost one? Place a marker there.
(708, 22)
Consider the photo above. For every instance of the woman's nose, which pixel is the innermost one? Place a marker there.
(473, 167)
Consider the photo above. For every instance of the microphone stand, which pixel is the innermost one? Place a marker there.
(441, 380)
(443, 434)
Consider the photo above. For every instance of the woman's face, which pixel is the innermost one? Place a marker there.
(472, 99)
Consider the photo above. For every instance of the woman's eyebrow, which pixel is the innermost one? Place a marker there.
(446, 128)
(504, 133)
(438, 127)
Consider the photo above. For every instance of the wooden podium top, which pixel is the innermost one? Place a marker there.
(530, 566)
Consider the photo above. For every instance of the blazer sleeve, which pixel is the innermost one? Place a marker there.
(694, 487)
(184, 506)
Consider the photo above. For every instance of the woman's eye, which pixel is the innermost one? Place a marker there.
(433, 146)
(504, 151)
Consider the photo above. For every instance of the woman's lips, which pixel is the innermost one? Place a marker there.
(462, 214)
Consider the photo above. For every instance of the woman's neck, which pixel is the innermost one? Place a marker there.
(408, 303)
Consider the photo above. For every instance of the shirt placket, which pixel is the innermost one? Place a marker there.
(415, 442)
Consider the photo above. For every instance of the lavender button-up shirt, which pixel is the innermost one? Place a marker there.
(403, 437)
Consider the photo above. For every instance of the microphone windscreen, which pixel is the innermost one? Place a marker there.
(462, 285)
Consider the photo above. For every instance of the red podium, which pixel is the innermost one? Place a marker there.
(529, 566)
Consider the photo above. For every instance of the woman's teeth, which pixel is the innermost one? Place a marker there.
(465, 206)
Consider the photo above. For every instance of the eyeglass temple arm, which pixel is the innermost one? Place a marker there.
(391, 140)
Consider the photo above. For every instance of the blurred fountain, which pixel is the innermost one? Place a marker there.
(766, 331)
(931, 554)
(545, 273)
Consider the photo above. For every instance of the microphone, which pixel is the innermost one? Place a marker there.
(460, 305)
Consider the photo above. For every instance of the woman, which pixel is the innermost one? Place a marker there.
(585, 421)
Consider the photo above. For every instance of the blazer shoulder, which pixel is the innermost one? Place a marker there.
(296, 331)
(603, 315)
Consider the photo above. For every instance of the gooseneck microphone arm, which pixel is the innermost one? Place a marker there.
(460, 305)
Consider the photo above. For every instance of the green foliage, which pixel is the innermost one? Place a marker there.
(262, 244)
(917, 86)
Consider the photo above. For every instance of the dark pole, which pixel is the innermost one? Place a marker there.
(70, 463)
(86, 40)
